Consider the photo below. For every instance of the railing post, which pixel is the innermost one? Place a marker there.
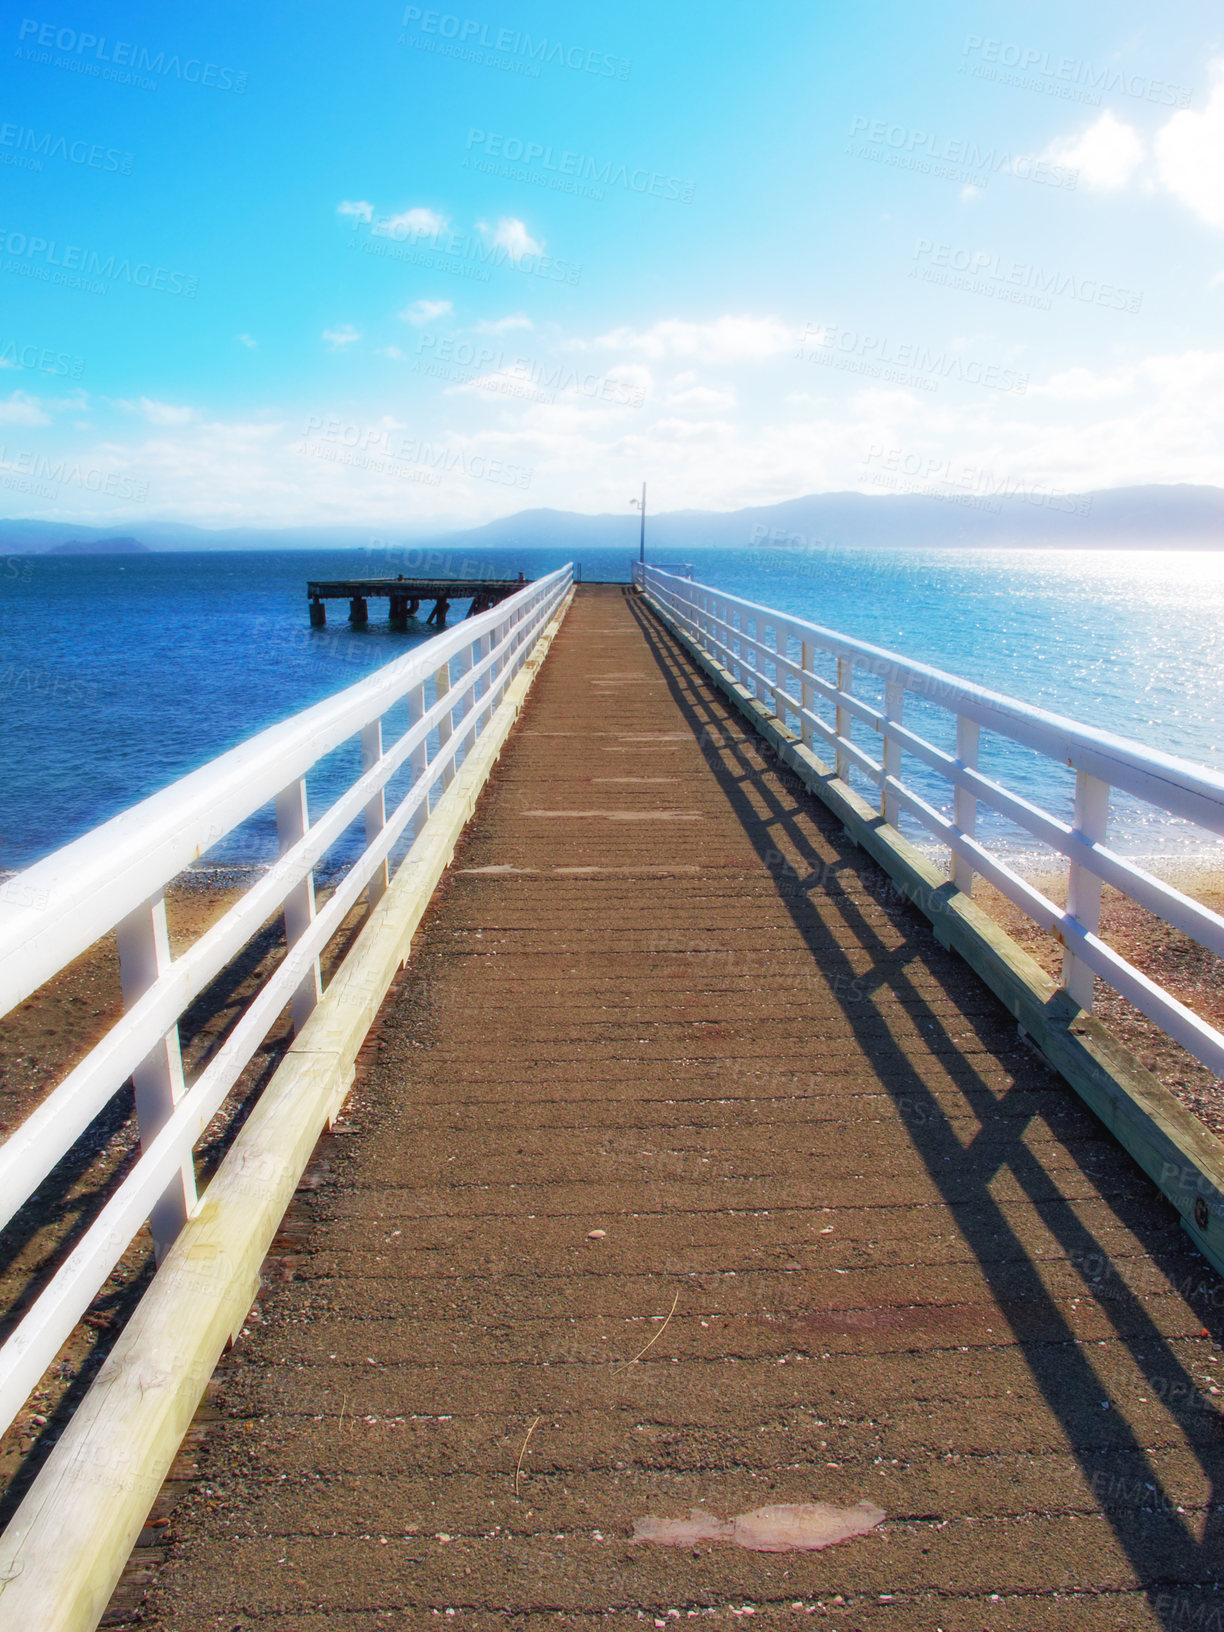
(964, 803)
(144, 954)
(1083, 886)
(845, 682)
(376, 810)
(780, 691)
(894, 709)
(470, 714)
(480, 650)
(292, 820)
(496, 684)
(807, 694)
(442, 680)
(419, 757)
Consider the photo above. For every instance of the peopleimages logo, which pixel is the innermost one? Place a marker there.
(18, 354)
(119, 60)
(497, 371)
(955, 158)
(74, 267)
(21, 465)
(467, 36)
(1023, 283)
(913, 472)
(565, 167)
(388, 453)
(1073, 78)
(44, 145)
(465, 254)
(879, 356)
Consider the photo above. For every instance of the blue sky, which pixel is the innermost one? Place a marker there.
(404, 266)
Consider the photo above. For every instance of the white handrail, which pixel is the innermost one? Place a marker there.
(733, 632)
(115, 876)
(63, 904)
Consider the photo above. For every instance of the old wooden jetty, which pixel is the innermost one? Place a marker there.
(405, 596)
(684, 1153)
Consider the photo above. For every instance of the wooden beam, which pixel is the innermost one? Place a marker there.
(66, 1546)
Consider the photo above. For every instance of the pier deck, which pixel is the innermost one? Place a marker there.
(662, 997)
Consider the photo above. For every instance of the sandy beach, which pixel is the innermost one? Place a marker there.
(1185, 969)
(40, 1041)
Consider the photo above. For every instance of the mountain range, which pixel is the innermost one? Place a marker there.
(1153, 517)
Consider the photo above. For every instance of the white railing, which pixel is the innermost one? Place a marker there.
(115, 878)
(774, 656)
(677, 569)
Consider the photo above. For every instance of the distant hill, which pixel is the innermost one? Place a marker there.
(100, 546)
(33, 537)
(1178, 517)
(1181, 517)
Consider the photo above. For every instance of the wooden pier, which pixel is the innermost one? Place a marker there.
(673, 1065)
(405, 596)
(662, 1137)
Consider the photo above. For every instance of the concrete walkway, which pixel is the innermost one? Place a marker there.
(662, 998)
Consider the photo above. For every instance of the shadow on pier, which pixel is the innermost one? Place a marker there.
(1173, 1552)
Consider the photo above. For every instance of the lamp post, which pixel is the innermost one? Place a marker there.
(640, 504)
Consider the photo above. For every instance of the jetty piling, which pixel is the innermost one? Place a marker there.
(405, 595)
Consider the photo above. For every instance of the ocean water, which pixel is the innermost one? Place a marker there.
(120, 673)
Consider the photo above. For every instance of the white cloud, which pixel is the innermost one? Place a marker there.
(701, 399)
(390, 351)
(503, 325)
(1197, 376)
(166, 413)
(157, 413)
(337, 338)
(1129, 420)
(21, 409)
(1190, 379)
(635, 378)
(511, 235)
(1106, 155)
(414, 223)
(1190, 155)
(1084, 385)
(358, 209)
(724, 340)
(246, 340)
(699, 431)
(425, 311)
